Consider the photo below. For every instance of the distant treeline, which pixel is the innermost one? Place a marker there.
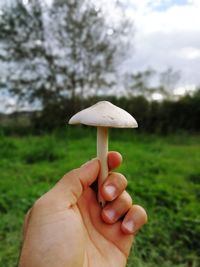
(152, 116)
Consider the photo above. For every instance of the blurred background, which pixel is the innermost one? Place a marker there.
(60, 56)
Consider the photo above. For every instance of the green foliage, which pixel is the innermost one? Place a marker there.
(58, 50)
(153, 117)
(46, 151)
(163, 175)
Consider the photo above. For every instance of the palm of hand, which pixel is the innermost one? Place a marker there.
(75, 236)
(103, 245)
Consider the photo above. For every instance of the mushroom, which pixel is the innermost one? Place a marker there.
(103, 115)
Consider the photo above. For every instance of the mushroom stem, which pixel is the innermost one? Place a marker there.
(102, 152)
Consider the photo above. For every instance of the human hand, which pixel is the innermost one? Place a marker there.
(66, 227)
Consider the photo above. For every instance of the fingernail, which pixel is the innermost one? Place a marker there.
(130, 226)
(111, 190)
(110, 214)
(88, 163)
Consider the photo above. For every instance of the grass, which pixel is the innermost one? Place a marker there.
(163, 175)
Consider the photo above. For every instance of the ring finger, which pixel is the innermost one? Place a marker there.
(114, 210)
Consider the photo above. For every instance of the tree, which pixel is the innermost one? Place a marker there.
(58, 51)
(139, 83)
(149, 82)
(168, 80)
(21, 32)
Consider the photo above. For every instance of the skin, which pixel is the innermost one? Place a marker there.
(66, 227)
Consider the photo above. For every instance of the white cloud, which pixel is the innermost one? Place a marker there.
(189, 53)
(167, 34)
(174, 18)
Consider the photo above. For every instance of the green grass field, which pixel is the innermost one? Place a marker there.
(163, 175)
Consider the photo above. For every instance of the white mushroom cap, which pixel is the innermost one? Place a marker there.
(104, 114)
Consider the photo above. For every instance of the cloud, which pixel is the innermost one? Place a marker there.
(167, 34)
(189, 53)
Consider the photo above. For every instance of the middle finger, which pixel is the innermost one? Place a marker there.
(113, 187)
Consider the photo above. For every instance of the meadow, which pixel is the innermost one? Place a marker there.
(163, 174)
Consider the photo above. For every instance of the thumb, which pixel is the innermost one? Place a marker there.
(72, 185)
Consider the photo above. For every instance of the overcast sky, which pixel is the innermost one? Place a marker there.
(167, 35)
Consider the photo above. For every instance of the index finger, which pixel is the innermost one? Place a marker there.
(114, 159)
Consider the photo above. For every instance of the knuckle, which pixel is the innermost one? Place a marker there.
(123, 180)
(71, 175)
(142, 212)
(120, 180)
(127, 198)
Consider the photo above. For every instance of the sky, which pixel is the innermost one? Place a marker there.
(167, 34)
